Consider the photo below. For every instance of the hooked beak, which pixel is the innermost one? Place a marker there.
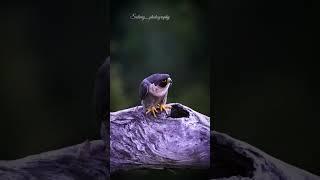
(169, 80)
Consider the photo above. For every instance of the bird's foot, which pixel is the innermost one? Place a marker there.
(152, 109)
(164, 107)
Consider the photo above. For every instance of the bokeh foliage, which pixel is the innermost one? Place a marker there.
(178, 47)
(50, 54)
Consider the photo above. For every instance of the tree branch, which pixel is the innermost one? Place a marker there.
(237, 160)
(84, 161)
(176, 145)
(180, 139)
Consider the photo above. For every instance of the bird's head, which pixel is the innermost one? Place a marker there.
(161, 80)
(159, 84)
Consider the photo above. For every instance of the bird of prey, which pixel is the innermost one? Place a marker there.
(153, 92)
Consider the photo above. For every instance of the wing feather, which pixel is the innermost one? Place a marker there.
(143, 90)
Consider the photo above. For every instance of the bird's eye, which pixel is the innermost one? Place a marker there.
(164, 80)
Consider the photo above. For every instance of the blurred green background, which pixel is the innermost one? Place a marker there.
(178, 47)
(49, 55)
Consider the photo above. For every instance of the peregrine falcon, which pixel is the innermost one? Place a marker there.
(153, 92)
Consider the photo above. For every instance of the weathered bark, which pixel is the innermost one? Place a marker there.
(237, 160)
(81, 162)
(174, 145)
(180, 139)
(140, 142)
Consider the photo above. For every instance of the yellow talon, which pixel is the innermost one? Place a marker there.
(164, 107)
(153, 110)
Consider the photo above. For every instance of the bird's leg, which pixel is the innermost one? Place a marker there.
(152, 109)
(164, 107)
